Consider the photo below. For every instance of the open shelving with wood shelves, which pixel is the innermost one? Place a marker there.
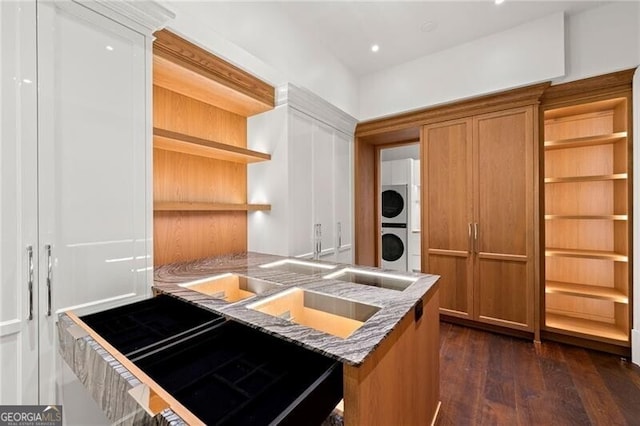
(585, 141)
(589, 328)
(586, 254)
(172, 206)
(587, 241)
(200, 155)
(585, 290)
(179, 142)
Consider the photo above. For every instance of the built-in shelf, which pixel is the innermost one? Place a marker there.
(168, 206)
(593, 328)
(586, 217)
(585, 141)
(615, 176)
(584, 290)
(178, 142)
(586, 254)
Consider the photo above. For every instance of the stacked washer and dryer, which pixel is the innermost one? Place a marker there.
(394, 227)
(400, 211)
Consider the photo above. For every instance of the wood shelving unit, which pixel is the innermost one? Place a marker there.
(586, 254)
(605, 331)
(587, 215)
(170, 206)
(585, 141)
(178, 142)
(569, 179)
(584, 290)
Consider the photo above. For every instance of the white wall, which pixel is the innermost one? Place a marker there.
(602, 40)
(265, 43)
(526, 54)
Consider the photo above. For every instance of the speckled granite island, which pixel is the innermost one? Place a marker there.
(379, 327)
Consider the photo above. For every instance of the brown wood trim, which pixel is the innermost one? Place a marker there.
(175, 405)
(172, 206)
(588, 87)
(179, 142)
(186, 54)
(529, 95)
(487, 327)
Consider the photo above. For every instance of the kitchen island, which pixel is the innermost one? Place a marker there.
(381, 326)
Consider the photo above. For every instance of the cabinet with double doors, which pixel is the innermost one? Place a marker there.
(75, 184)
(308, 182)
(478, 228)
(587, 218)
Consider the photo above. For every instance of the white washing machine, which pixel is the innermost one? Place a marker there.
(394, 247)
(395, 204)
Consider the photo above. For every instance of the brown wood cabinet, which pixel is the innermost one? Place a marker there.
(479, 221)
(587, 212)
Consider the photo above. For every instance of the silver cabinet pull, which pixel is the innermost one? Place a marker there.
(30, 283)
(339, 235)
(470, 241)
(49, 278)
(319, 240)
(475, 237)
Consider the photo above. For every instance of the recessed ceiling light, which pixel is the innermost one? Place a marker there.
(499, 1)
(375, 47)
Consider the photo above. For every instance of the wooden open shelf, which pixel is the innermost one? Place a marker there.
(591, 328)
(615, 176)
(622, 217)
(178, 142)
(584, 290)
(169, 206)
(586, 254)
(585, 141)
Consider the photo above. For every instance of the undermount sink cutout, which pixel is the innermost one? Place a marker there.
(376, 279)
(230, 287)
(299, 266)
(329, 314)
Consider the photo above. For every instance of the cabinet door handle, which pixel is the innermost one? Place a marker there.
(475, 237)
(339, 235)
(49, 278)
(30, 283)
(470, 246)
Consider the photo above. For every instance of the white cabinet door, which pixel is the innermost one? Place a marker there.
(343, 190)
(301, 185)
(92, 156)
(323, 189)
(18, 204)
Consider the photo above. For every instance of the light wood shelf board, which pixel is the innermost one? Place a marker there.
(584, 290)
(588, 327)
(586, 254)
(615, 176)
(622, 217)
(585, 141)
(194, 206)
(178, 142)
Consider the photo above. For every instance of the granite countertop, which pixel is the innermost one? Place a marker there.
(394, 305)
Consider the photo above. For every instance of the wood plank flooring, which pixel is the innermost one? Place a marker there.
(490, 379)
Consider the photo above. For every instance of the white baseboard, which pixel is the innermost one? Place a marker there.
(635, 346)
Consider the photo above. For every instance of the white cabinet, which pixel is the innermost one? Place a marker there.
(75, 188)
(308, 180)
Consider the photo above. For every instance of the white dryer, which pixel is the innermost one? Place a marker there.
(394, 204)
(394, 247)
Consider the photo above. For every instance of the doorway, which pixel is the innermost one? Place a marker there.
(399, 209)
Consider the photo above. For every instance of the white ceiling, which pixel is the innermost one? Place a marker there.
(404, 30)
(348, 28)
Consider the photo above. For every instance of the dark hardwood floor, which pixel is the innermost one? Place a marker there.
(490, 379)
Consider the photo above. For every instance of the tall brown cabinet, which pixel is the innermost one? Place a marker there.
(587, 212)
(479, 225)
